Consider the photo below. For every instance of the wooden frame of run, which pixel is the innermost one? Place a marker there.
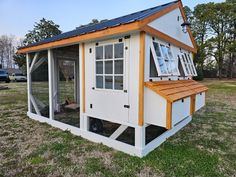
(134, 26)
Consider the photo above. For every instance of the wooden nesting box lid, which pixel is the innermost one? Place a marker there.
(176, 90)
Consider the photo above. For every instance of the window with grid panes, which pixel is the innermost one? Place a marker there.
(185, 65)
(163, 59)
(192, 65)
(110, 66)
(188, 66)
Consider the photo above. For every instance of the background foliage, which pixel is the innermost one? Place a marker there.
(214, 30)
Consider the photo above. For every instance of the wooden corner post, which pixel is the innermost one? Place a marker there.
(192, 104)
(169, 115)
(141, 78)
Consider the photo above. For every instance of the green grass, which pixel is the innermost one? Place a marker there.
(184, 160)
(41, 92)
(37, 160)
(205, 147)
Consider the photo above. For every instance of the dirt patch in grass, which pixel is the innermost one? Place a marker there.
(206, 147)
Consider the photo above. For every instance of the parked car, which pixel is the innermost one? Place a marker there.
(18, 77)
(4, 77)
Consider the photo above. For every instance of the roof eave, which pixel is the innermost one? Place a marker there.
(85, 37)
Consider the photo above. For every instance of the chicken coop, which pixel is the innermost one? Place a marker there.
(125, 82)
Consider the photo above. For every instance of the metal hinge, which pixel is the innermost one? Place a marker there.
(126, 106)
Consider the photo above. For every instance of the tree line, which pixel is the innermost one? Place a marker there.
(214, 29)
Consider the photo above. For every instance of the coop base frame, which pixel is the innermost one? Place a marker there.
(139, 149)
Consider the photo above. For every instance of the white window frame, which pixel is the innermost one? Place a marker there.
(156, 61)
(103, 60)
(192, 64)
(187, 64)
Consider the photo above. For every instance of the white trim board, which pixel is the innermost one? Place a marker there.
(163, 137)
(129, 149)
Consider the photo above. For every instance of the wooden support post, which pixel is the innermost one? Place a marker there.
(141, 78)
(118, 131)
(84, 120)
(37, 64)
(169, 115)
(28, 82)
(50, 84)
(34, 60)
(37, 110)
(140, 137)
(192, 104)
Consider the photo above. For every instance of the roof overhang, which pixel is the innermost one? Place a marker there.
(121, 29)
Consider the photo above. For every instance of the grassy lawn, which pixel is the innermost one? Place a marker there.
(206, 147)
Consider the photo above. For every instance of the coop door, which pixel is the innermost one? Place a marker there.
(109, 100)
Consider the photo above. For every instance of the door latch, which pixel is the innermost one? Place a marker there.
(126, 106)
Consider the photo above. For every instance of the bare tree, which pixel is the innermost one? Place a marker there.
(7, 50)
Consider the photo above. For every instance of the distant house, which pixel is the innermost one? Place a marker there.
(132, 85)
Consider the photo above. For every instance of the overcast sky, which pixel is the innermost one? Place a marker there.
(18, 16)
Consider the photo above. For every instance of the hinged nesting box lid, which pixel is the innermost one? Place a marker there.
(176, 90)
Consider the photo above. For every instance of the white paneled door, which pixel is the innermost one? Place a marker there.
(107, 80)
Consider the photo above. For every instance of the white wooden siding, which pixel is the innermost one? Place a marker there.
(134, 78)
(154, 108)
(169, 25)
(180, 110)
(200, 101)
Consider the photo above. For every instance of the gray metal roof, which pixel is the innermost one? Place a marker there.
(137, 16)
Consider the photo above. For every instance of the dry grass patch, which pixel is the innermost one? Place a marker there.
(206, 147)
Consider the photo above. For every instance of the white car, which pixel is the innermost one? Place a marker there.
(18, 77)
